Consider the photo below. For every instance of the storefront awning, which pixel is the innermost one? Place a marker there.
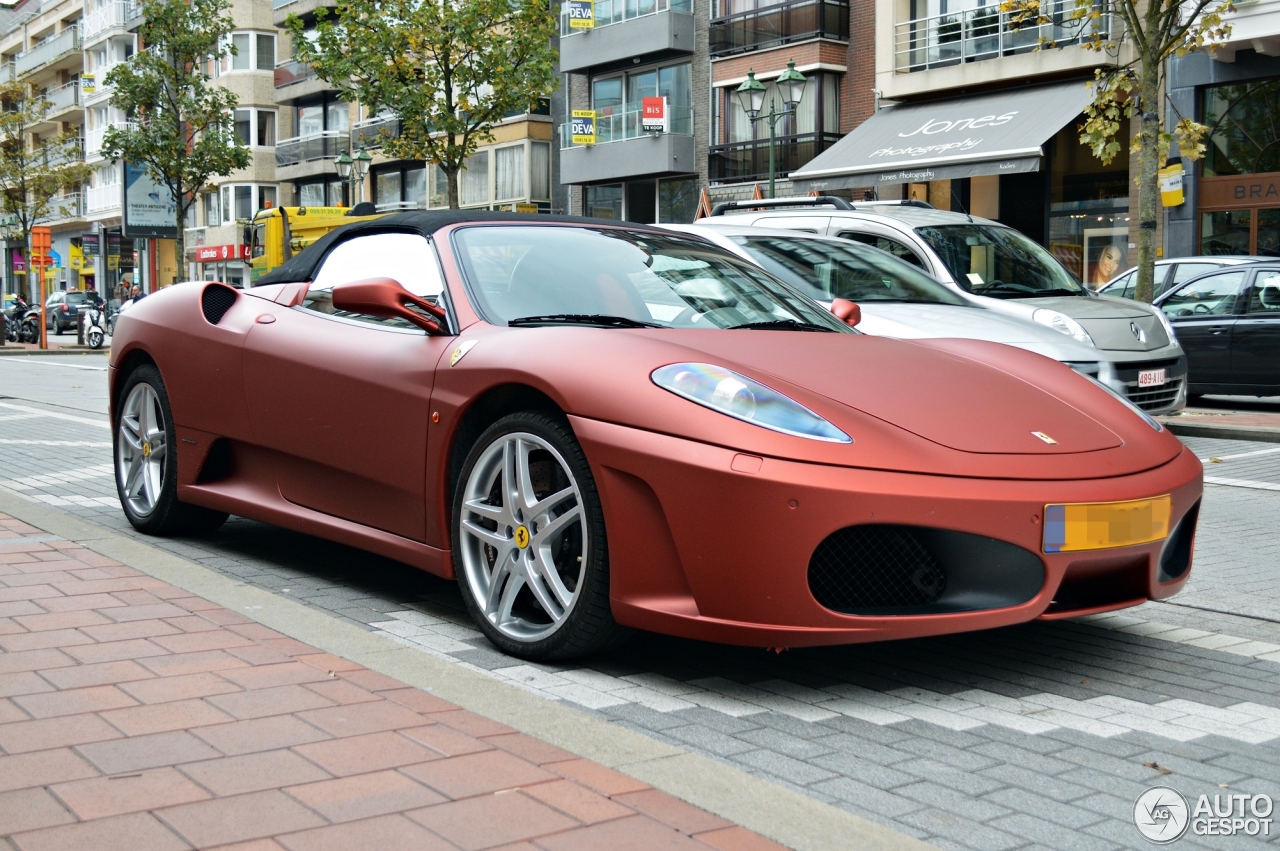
(998, 133)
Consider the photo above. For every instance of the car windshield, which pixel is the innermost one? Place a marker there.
(523, 275)
(998, 262)
(827, 269)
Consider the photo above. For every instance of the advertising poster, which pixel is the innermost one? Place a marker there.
(582, 14)
(149, 208)
(1106, 254)
(582, 126)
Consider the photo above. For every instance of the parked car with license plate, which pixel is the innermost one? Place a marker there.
(1138, 352)
(1228, 322)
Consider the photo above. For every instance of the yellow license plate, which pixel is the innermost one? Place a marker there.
(1072, 527)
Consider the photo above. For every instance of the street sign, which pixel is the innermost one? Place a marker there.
(653, 115)
(89, 243)
(582, 126)
(41, 239)
(582, 14)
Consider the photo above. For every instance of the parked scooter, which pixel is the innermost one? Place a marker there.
(22, 323)
(95, 333)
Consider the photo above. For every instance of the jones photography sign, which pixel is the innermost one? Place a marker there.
(149, 209)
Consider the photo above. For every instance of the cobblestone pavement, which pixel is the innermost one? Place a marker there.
(1041, 735)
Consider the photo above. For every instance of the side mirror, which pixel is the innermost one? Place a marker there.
(386, 298)
(246, 236)
(846, 311)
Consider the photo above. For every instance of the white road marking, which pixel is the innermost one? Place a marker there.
(30, 361)
(1241, 455)
(1241, 483)
(96, 445)
(55, 415)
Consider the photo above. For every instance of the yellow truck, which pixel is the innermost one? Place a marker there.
(278, 233)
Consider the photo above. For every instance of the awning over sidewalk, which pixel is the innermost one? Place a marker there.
(998, 133)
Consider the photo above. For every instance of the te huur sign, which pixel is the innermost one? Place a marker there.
(1245, 190)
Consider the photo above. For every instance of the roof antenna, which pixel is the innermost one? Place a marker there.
(955, 199)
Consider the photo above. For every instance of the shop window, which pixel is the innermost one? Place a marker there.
(678, 200)
(1225, 232)
(311, 195)
(386, 188)
(1243, 137)
(540, 171)
(604, 202)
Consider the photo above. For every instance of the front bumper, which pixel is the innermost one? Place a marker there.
(715, 545)
(1121, 375)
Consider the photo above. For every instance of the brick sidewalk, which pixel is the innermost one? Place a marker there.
(134, 715)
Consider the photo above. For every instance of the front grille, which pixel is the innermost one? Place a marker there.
(1155, 398)
(875, 567)
(215, 301)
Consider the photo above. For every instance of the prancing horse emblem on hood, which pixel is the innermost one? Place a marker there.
(1046, 438)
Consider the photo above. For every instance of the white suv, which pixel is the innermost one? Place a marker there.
(1141, 357)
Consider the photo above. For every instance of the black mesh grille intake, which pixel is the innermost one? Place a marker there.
(875, 567)
(216, 301)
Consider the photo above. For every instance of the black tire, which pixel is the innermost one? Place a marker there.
(588, 628)
(95, 339)
(168, 516)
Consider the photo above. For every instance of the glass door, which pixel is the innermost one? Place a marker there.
(1267, 243)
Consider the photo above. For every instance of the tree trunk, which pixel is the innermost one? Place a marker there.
(1148, 180)
(179, 246)
(451, 175)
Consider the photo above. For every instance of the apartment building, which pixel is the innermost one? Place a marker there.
(41, 45)
(1232, 196)
(512, 171)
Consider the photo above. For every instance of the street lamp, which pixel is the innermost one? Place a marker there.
(751, 97)
(354, 169)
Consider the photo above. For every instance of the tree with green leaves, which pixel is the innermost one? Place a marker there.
(34, 169)
(182, 126)
(1154, 31)
(449, 70)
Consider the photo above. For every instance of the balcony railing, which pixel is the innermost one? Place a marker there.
(99, 199)
(986, 33)
(750, 160)
(291, 72)
(616, 11)
(393, 206)
(93, 138)
(317, 146)
(372, 132)
(60, 45)
(626, 125)
(67, 207)
(744, 25)
(119, 13)
(6, 72)
(63, 98)
(280, 4)
(68, 155)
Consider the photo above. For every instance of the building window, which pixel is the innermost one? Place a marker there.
(403, 185)
(241, 201)
(253, 52)
(678, 200)
(474, 180)
(817, 112)
(617, 99)
(256, 127)
(314, 118)
(212, 210)
(508, 166)
(540, 171)
(604, 202)
(1243, 137)
(329, 192)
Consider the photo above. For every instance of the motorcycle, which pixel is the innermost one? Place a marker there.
(94, 330)
(22, 323)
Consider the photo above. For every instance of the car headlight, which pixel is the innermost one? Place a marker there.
(1146, 418)
(743, 399)
(1168, 326)
(1063, 323)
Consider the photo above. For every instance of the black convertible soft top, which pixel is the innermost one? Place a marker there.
(302, 266)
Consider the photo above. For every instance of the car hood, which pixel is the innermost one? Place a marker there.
(1115, 324)
(960, 407)
(921, 321)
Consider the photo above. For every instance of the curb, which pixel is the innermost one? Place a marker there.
(6, 351)
(1224, 432)
(769, 809)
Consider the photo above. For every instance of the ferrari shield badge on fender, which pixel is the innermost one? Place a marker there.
(461, 351)
(1046, 438)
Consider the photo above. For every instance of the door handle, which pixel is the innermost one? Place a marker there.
(1217, 330)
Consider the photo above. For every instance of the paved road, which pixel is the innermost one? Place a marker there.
(1035, 736)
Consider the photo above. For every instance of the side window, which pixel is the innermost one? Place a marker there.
(1264, 297)
(884, 243)
(1123, 286)
(1212, 296)
(404, 257)
(1187, 271)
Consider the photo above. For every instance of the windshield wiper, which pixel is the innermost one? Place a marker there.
(599, 320)
(781, 325)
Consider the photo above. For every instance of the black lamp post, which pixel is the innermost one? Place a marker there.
(751, 97)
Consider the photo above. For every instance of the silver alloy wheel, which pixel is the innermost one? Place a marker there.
(141, 450)
(523, 536)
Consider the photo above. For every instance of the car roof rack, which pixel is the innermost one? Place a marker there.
(909, 202)
(803, 201)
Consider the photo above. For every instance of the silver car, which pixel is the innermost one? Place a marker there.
(1135, 350)
(1174, 271)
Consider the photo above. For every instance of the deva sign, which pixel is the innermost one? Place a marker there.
(582, 14)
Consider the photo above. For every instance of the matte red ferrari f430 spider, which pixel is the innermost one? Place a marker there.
(596, 426)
